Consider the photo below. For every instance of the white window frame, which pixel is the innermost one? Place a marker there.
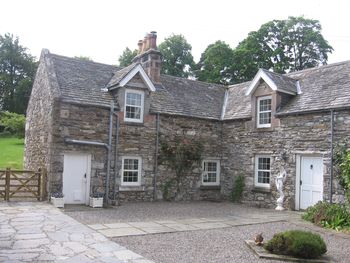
(139, 170)
(217, 182)
(256, 182)
(266, 125)
(127, 91)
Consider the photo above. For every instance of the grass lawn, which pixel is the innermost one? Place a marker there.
(11, 153)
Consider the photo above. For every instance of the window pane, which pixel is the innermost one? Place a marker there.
(211, 167)
(263, 177)
(265, 105)
(131, 164)
(130, 177)
(133, 99)
(133, 112)
(264, 163)
(265, 118)
(211, 177)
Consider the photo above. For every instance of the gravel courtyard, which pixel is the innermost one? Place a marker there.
(212, 245)
(219, 245)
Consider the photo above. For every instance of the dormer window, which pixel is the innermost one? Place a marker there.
(134, 103)
(264, 112)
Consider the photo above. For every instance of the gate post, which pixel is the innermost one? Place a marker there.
(40, 192)
(7, 184)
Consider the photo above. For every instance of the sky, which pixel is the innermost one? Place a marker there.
(102, 29)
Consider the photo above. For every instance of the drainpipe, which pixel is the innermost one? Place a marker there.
(110, 134)
(331, 172)
(156, 159)
(116, 155)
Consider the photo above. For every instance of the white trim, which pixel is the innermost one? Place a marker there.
(217, 182)
(262, 75)
(298, 88)
(139, 170)
(297, 182)
(265, 125)
(142, 105)
(224, 105)
(256, 170)
(132, 73)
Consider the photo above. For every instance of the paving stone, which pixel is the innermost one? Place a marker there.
(5, 244)
(117, 225)
(98, 226)
(126, 255)
(158, 229)
(191, 221)
(118, 232)
(58, 250)
(75, 246)
(144, 224)
(30, 243)
(112, 259)
(210, 225)
(106, 247)
(58, 236)
(29, 236)
(181, 227)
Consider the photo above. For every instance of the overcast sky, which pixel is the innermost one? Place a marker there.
(102, 29)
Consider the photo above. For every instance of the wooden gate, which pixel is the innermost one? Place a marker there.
(22, 184)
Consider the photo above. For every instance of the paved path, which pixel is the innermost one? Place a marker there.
(119, 229)
(38, 232)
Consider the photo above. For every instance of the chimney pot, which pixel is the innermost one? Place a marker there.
(140, 44)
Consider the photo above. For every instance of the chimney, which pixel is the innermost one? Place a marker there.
(149, 56)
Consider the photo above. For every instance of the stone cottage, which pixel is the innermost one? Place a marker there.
(95, 126)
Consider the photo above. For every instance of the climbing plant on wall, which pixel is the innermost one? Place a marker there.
(342, 162)
(181, 155)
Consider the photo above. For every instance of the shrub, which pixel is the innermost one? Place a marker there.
(238, 188)
(342, 165)
(297, 243)
(334, 216)
(13, 123)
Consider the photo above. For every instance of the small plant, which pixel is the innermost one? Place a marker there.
(238, 188)
(97, 195)
(166, 189)
(297, 243)
(57, 194)
(334, 216)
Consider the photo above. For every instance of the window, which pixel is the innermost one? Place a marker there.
(133, 106)
(262, 171)
(264, 112)
(211, 172)
(131, 171)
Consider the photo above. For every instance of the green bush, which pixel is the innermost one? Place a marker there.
(14, 123)
(297, 243)
(238, 188)
(334, 216)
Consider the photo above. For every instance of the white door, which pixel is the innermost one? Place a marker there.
(311, 181)
(76, 178)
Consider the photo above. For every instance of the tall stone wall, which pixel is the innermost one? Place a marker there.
(307, 134)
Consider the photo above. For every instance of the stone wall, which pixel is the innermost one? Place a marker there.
(297, 135)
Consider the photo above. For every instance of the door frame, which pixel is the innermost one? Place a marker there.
(298, 176)
(88, 173)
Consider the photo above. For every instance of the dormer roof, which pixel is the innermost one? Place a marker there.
(275, 81)
(123, 76)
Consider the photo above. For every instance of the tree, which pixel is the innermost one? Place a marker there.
(126, 58)
(17, 70)
(215, 64)
(177, 57)
(282, 46)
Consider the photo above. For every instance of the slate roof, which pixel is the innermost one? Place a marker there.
(322, 88)
(81, 81)
(119, 75)
(282, 82)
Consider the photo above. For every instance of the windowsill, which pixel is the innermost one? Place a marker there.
(258, 189)
(264, 129)
(131, 188)
(210, 187)
(131, 123)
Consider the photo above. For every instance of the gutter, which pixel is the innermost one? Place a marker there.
(332, 146)
(156, 159)
(116, 156)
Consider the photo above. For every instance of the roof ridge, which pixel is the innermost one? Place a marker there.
(85, 61)
(198, 81)
(319, 67)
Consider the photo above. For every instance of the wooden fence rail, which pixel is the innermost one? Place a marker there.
(23, 184)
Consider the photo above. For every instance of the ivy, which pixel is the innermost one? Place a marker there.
(342, 162)
(181, 155)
